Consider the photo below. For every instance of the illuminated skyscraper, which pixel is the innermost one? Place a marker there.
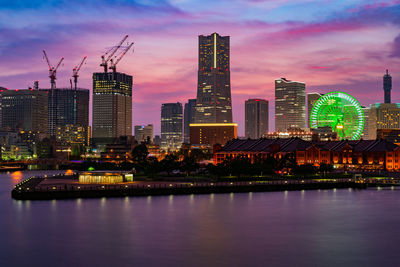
(382, 116)
(387, 86)
(290, 108)
(213, 104)
(144, 133)
(256, 116)
(171, 126)
(311, 100)
(188, 118)
(112, 105)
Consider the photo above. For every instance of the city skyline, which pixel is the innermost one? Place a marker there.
(367, 42)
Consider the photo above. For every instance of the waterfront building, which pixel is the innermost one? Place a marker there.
(289, 105)
(256, 118)
(383, 116)
(144, 133)
(387, 87)
(118, 151)
(67, 107)
(391, 135)
(73, 134)
(213, 103)
(311, 100)
(112, 105)
(188, 118)
(25, 110)
(212, 133)
(102, 177)
(345, 154)
(171, 126)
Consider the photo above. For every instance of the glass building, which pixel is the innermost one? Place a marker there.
(311, 100)
(213, 104)
(256, 118)
(112, 105)
(144, 133)
(290, 105)
(171, 126)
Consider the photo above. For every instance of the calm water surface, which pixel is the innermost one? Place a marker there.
(309, 228)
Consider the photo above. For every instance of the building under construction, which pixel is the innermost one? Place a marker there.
(112, 98)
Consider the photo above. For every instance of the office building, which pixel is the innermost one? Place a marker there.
(188, 118)
(365, 134)
(311, 100)
(112, 105)
(256, 118)
(289, 105)
(387, 87)
(213, 103)
(25, 110)
(382, 116)
(212, 133)
(67, 107)
(144, 133)
(171, 126)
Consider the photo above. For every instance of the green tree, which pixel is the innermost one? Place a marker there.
(139, 153)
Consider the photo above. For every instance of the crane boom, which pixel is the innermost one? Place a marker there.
(114, 64)
(59, 63)
(47, 59)
(111, 52)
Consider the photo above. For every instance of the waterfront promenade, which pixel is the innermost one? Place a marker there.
(63, 187)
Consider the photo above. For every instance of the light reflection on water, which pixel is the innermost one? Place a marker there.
(340, 227)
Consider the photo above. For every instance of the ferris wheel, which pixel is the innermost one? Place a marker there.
(341, 112)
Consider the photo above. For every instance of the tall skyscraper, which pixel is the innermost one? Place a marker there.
(112, 105)
(382, 116)
(67, 107)
(290, 100)
(171, 126)
(387, 86)
(144, 133)
(311, 100)
(188, 118)
(256, 117)
(25, 110)
(213, 103)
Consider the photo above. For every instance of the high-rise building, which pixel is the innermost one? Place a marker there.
(365, 134)
(290, 100)
(188, 118)
(212, 133)
(383, 116)
(213, 103)
(256, 117)
(311, 100)
(387, 86)
(67, 107)
(112, 105)
(171, 126)
(144, 133)
(25, 110)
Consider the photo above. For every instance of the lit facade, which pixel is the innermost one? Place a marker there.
(290, 105)
(112, 105)
(256, 118)
(73, 134)
(345, 154)
(212, 133)
(171, 126)
(144, 132)
(383, 116)
(188, 118)
(213, 103)
(104, 177)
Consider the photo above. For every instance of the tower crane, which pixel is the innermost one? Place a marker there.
(114, 64)
(75, 71)
(52, 70)
(110, 53)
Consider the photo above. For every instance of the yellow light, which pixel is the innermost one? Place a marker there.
(212, 124)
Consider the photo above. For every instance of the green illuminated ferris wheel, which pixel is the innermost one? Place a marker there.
(341, 112)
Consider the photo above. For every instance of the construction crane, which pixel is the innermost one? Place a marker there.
(75, 71)
(52, 70)
(110, 53)
(114, 64)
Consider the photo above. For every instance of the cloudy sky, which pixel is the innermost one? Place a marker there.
(330, 45)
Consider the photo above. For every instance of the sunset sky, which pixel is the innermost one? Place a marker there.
(330, 45)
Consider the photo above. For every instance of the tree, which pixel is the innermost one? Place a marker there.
(240, 165)
(170, 163)
(189, 165)
(139, 153)
(151, 166)
(305, 170)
